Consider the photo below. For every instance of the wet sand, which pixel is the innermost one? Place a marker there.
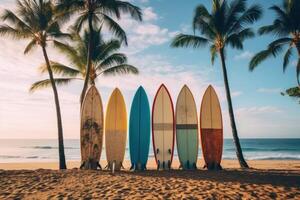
(265, 180)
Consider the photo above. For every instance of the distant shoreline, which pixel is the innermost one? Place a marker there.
(226, 164)
(46, 150)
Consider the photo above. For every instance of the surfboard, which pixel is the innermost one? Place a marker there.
(91, 131)
(139, 130)
(211, 127)
(115, 130)
(186, 129)
(163, 128)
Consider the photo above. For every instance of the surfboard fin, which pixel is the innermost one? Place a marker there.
(157, 151)
(113, 167)
(139, 166)
(218, 167)
(213, 166)
(158, 164)
(121, 164)
(170, 151)
(132, 167)
(195, 166)
(163, 164)
(169, 164)
(210, 166)
(98, 165)
(82, 164)
(144, 167)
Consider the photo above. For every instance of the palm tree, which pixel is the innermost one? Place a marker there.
(286, 29)
(105, 60)
(96, 13)
(36, 21)
(293, 92)
(226, 25)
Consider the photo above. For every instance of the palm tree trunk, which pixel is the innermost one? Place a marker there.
(61, 151)
(236, 140)
(89, 57)
(88, 164)
(298, 63)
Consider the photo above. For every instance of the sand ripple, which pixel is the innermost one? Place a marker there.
(174, 184)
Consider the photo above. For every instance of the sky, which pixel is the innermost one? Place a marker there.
(261, 112)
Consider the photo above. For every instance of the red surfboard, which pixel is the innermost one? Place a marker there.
(211, 128)
(163, 129)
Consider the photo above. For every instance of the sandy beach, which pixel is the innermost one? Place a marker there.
(265, 180)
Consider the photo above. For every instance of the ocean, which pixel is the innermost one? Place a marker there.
(45, 150)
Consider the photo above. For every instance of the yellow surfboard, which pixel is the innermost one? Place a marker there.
(91, 131)
(115, 130)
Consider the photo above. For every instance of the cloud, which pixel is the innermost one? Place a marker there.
(25, 115)
(149, 14)
(236, 93)
(295, 63)
(263, 122)
(139, 1)
(255, 110)
(269, 90)
(155, 70)
(33, 115)
(244, 56)
(142, 35)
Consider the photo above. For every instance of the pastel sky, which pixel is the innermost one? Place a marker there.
(261, 112)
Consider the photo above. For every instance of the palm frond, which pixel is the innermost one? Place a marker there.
(80, 21)
(250, 16)
(183, 40)
(298, 72)
(258, 58)
(60, 69)
(236, 7)
(202, 24)
(115, 8)
(281, 14)
(213, 53)
(54, 31)
(6, 30)
(115, 28)
(286, 58)
(201, 17)
(235, 41)
(120, 69)
(127, 7)
(71, 54)
(31, 45)
(47, 83)
(293, 92)
(246, 33)
(114, 59)
(65, 9)
(14, 19)
(104, 49)
(266, 29)
(277, 45)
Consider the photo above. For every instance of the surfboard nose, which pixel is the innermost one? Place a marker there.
(116, 91)
(162, 86)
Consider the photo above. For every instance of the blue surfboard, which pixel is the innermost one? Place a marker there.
(139, 130)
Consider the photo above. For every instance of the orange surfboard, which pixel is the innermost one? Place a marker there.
(211, 128)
